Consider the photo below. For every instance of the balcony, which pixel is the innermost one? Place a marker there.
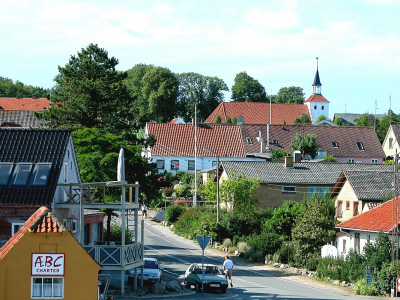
(111, 256)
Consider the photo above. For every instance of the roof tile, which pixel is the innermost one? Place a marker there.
(316, 98)
(24, 103)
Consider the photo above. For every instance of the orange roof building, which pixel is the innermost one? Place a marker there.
(30, 104)
(43, 260)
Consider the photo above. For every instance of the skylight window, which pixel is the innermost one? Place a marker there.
(360, 146)
(22, 173)
(335, 144)
(42, 174)
(249, 141)
(275, 143)
(5, 171)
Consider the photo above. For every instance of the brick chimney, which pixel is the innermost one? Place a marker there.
(288, 161)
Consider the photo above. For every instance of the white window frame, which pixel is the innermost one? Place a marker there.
(374, 161)
(36, 172)
(48, 297)
(173, 167)
(191, 168)
(351, 161)
(19, 224)
(74, 225)
(285, 191)
(17, 170)
(163, 164)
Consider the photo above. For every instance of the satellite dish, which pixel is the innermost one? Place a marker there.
(240, 120)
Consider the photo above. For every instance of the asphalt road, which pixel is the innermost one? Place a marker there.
(249, 282)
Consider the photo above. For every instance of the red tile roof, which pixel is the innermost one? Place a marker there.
(42, 221)
(178, 139)
(376, 219)
(24, 104)
(258, 112)
(316, 98)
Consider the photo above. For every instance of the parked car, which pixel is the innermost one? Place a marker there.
(151, 272)
(213, 278)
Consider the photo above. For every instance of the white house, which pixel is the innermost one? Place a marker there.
(391, 144)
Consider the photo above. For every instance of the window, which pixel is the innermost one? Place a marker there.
(47, 287)
(355, 208)
(65, 171)
(5, 171)
(288, 189)
(318, 190)
(360, 146)
(15, 227)
(390, 143)
(160, 164)
(322, 107)
(347, 205)
(339, 209)
(71, 225)
(174, 164)
(374, 161)
(344, 246)
(190, 164)
(214, 163)
(275, 143)
(41, 174)
(249, 141)
(22, 173)
(351, 160)
(315, 107)
(335, 144)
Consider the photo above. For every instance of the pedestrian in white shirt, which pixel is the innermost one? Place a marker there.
(228, 266)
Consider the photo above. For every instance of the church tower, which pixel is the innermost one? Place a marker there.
(316, 103)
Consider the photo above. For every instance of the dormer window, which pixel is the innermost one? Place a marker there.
(22, 173)
(275, 143)
(335, 144)
(5, 171)
(360, 146)
(41, 174)
(249, 141)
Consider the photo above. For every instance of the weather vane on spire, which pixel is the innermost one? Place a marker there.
(317, 60)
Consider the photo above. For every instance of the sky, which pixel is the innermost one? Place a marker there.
(275, 42)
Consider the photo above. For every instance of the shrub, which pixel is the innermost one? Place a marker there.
(180, 190)
(174, 212)
(116, 233)
(167, 191)
(221, 247)
(257, 256)
(312, 263)
(231, 249)
(243, 247)
(155, 202)
(268, 243)
(384, 280)
(361, 288)
(285, 253)
(227, 242)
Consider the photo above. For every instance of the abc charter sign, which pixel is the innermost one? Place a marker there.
(48, 264)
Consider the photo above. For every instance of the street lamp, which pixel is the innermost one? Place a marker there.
(208, 150)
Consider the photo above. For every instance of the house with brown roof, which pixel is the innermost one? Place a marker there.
(391, 144)
(366, 227)
(44, 261)
(291, 180)
(347, 144)
(358, 191)
(175, 147)
(19, 112)
(258, 112)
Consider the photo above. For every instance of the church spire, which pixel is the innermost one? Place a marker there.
(317, 83)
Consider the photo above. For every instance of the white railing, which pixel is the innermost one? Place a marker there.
(111, 255)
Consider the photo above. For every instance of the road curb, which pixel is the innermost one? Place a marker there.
(155, 296)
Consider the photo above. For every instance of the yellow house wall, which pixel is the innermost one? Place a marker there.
(81, 271)
(347, 194)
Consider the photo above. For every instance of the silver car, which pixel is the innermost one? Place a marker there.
(152, 272)
(213, 278)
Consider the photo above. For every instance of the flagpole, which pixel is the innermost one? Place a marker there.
(195, 156)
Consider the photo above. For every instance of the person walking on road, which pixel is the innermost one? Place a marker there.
(228, 266)
(144, 211)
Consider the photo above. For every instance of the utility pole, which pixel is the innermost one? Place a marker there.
(376, 103)
(195, 156)
(217, 189)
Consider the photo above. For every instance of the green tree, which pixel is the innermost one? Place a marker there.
(9, 88)
(89, 92)
(218, 119)
(378, 254)
(139, 107)
(365, 120)
(303, 119)
(206, 92)
(314, 228)
(160, 90)
(234, 120)
(283, 218)
(228, 120)
(237, 192)
(330, 158)
(306, 143)
(384, 123)
(247, 89)
(338, 121)
(278, 155)
(321, 118)
(293, 94)
(97, 154)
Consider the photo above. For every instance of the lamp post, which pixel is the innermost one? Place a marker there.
(217, 157)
